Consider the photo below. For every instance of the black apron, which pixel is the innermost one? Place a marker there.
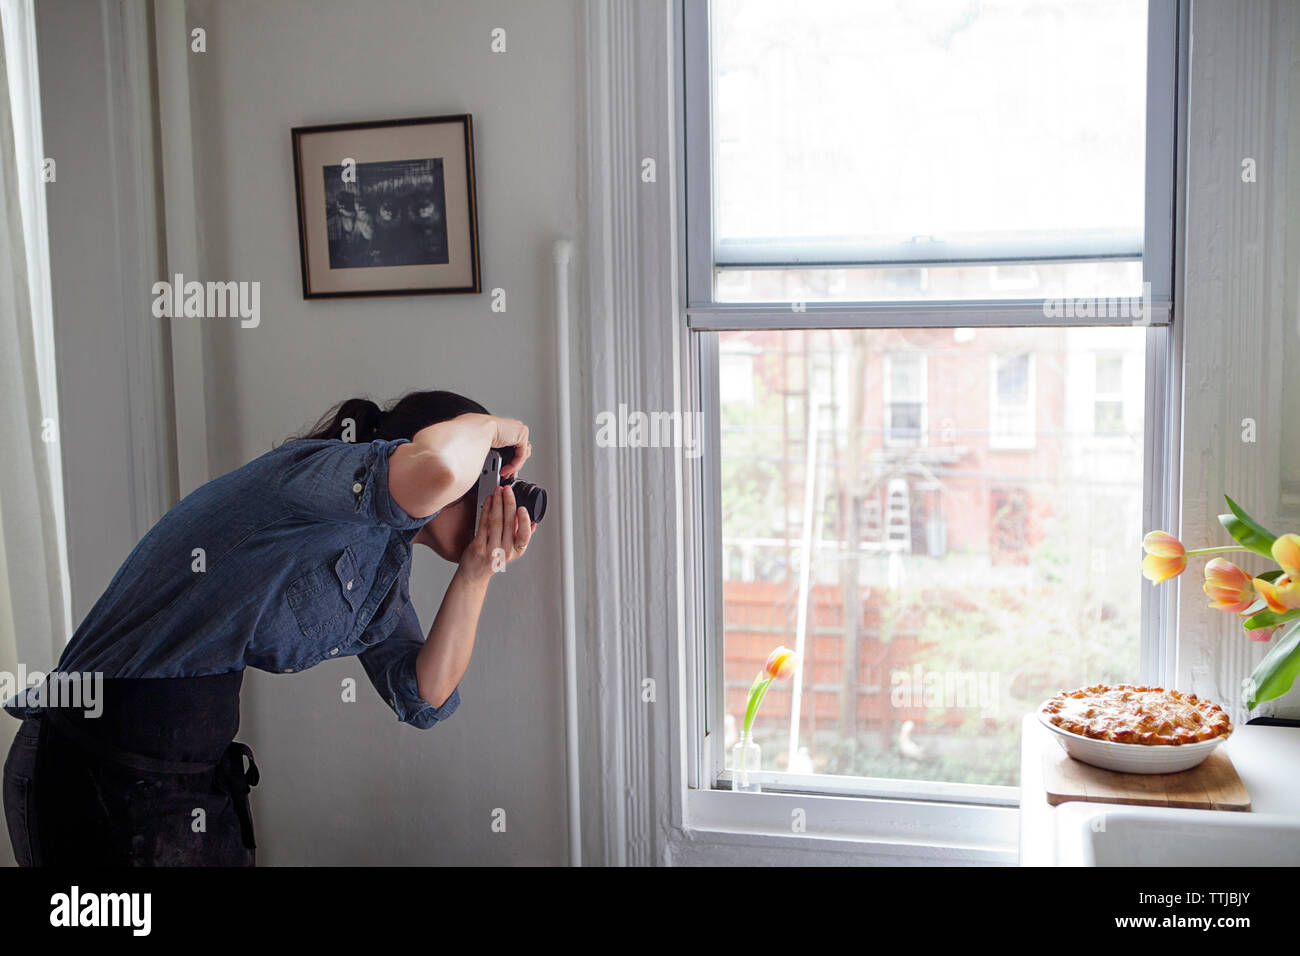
(156, 780)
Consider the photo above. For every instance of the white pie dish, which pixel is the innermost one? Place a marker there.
(1132, 758)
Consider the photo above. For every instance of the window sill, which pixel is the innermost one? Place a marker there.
(935, 832)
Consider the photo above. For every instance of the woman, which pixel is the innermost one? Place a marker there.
(302, 555)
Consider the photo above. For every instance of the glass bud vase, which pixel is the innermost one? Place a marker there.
(745, 761)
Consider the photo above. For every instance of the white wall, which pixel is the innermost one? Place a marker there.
(112, 426)
(345, 783)
(1239, 307)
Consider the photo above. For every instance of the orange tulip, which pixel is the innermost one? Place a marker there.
(1229, 587)
(1262, 633)
(1166, 557)
(1286, 552)
(780, 663)
(1282, 595)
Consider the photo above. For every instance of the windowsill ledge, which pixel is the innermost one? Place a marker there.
(931, 832)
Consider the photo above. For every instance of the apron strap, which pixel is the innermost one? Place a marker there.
(236, 781)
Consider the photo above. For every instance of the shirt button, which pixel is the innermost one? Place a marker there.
(356, 486)
(392, 702)
(333, 651)
(349, 585)
(288, 670)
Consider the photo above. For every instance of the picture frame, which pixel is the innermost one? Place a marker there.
(387, 207)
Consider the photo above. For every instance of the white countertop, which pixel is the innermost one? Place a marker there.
(1267, 760)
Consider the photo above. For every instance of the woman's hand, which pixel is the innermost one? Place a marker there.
(513, 433)
(504, 531)
(443, 460)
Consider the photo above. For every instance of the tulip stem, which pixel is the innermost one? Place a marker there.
(1222, 550)
(756, 694)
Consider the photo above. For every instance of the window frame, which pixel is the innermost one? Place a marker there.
(703, 317)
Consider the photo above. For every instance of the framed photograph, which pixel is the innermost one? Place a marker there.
(387, 208)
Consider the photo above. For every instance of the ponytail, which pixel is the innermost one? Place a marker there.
(356, 419)
(368, 422)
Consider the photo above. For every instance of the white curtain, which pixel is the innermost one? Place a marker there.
(35, 605)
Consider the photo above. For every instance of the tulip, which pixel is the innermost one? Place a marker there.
(1229, 588)
(1286, 552)
(1166, 557)
(1232, 589)
(780, 663)
(1281, 595)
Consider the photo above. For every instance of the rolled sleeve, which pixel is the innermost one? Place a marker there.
(390, 665)
(345, 481)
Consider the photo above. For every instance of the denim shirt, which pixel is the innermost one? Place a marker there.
(298, 557)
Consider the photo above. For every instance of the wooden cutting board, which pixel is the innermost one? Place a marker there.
(1211, 785)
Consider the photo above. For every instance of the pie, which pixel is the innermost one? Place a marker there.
(1129, 714)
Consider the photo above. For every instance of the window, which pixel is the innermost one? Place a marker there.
(1108, 395)
(1011, 421)
(904, 398)
(910, 269)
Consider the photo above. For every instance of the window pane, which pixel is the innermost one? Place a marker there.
(1013, 379)
(1110, 374)
(954, 584)
(904, 421)
(905, 376)
(1109, 417)
(877, 132)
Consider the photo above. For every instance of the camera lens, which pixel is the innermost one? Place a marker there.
(530, 496)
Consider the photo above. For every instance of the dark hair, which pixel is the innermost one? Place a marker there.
(410, 413)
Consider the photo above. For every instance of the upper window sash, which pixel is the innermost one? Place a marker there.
(705, 312)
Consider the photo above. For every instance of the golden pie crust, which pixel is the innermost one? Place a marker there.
(1131, 714)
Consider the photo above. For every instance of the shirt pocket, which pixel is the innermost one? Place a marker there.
(388, 613)
(325, 599)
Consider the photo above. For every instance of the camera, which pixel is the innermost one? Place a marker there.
(531, 497)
